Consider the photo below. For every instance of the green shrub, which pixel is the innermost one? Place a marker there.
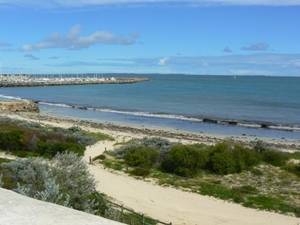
(11, 140)
(141, 156)
(184, 160)
(27, 139)
(221, 160)
(275, 158)
(160, 144)
(293, 168)
(226, 158)
(141, 172)
(100, 157)
(51, 149)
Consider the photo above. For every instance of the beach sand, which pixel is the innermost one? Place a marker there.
(165, 203)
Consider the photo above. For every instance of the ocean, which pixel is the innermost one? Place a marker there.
(182, 102)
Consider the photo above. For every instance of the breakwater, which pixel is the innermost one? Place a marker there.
(31, 81)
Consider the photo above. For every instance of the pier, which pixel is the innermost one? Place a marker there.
(22, 80)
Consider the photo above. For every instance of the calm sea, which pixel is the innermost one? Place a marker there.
(180, 102)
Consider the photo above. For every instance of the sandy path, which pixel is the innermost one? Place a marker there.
(169, 204)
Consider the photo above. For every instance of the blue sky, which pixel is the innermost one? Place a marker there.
(240, 37)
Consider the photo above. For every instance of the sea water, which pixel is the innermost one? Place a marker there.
(180, 102)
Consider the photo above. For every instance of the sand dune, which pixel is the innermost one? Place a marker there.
(166, 203)
(176, 206)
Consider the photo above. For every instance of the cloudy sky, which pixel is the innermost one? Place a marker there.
(240, 37)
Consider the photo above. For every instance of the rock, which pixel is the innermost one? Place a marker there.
(19, 106)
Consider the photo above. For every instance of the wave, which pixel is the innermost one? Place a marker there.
(124, 112)
(153, 115)
(242, 123)
(11, 97)
(56, 104)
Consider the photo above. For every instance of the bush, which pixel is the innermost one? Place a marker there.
(51, 149)
(221, 162)
(275, 158)
(64, 180)
(226, 158)
(293, 168)
(141, 156)
(184, 160)
(141, 172)
(100, 157)
(160, 144)
(11, 140)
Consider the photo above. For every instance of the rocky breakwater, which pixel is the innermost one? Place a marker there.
(33, 81)
(18, 106)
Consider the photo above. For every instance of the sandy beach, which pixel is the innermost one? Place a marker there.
(163, 203)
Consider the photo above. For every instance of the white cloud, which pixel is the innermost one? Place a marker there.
(260, 46)
(80, 3)
(163, 61)
(31, 57)
(73, 40)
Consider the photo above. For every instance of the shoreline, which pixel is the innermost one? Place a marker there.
(230, 122)
(199, 119)
(162, 132)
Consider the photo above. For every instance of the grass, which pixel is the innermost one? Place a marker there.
(2, 160)
(271, 203)
(99, 136)
(112, 164)
(219, 191)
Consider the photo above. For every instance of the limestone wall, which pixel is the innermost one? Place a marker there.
(18, 106)
(16, 209)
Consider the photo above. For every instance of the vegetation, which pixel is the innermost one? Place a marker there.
(255, 176)
(60, 176)
(63, 180)
(29, 139)
(184, 160)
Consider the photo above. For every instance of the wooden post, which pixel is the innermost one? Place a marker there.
(143, 219)
(122, 209)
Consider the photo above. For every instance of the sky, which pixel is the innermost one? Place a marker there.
(205, 37)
